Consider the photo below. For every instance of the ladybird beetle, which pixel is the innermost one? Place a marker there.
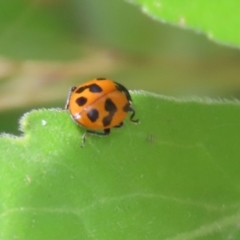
(100, 104)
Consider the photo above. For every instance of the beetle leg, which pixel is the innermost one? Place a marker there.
(104, 133)
(119, 125)
(132, 115)
(69, 95)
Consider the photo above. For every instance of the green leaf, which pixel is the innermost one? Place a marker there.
(219, 20)
(173, 176)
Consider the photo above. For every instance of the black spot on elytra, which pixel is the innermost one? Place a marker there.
(107, 120)
(101, 79)
(126, 107)
(81, 101)
(111, 108)
(94, 88)
(93, 115)
(81, 89)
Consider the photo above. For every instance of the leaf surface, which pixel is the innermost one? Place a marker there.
(173, 176)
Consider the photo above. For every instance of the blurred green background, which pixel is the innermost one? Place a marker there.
(46, 46)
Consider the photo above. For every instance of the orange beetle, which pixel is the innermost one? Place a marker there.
(99, 104)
